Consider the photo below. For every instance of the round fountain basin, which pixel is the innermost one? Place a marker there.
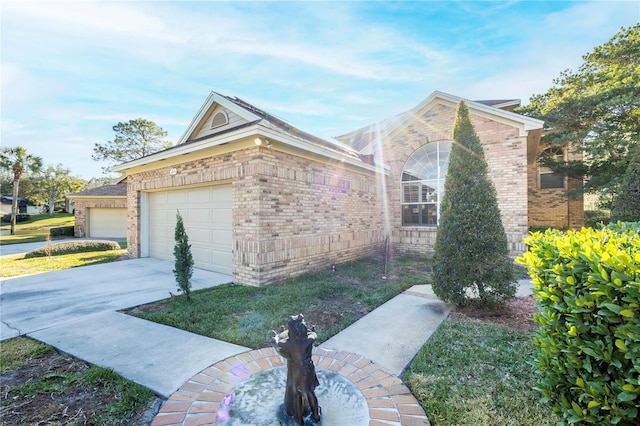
(258, 400)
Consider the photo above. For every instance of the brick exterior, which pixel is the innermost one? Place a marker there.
(294, 211)
(83, 204)
(290, 214)
(552, 207)
(506, 154)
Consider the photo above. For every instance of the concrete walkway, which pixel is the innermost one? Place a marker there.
(76, 311)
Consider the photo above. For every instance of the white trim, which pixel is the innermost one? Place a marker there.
(220, 100)
(144, 224)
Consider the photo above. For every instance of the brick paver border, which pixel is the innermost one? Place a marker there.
(197, 401)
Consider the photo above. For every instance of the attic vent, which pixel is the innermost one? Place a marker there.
(220, 119)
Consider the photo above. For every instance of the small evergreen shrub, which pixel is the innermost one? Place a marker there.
(22, 217)
(593, 218)
(471, 260)
(60, 231)
(70, 247)
(183, 258)
(587, 289)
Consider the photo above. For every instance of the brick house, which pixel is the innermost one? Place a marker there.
(100, 212)
(263, 200)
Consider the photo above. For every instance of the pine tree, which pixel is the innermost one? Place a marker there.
(471, 250)
(626, 206)
(183, 258)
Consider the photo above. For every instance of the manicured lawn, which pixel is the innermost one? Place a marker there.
(329, 300)
(36, 228)
(478, 374)
(16, 265)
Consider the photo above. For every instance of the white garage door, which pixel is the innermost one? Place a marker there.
(107, 223)
(206, 212)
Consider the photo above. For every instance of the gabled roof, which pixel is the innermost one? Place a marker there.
(363, 138)
(108, 191)
(254, 123)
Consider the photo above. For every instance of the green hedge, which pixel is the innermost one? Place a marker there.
(60, 231)
(587, 289)
(69, 247)
(593, 218)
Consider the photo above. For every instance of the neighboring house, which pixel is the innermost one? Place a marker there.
(263, 201)
(23, 205)
(101, 212)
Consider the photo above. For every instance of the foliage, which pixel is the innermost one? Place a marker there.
(16, 265)
(69, 247)
(593, 218)
(587, 287)
(120, 399)
(61, 231)
(53, 184)
(20, 217)
(241, 314)
(18, 162)
(183, 258)
(37, 228)
(471, 250)
(134, 139)
(626, 206)
(477, 375)
(595, 110)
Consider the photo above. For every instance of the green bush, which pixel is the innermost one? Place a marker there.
(471, 260)
(21, 217)
(60, 231)
(69, 247)
(183, 258)
(593, 218)
(626, 205)
(587, 289)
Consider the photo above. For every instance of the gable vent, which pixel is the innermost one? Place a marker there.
(220, 119)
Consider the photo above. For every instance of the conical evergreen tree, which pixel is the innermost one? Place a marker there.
(183, 258)
(626, 206)
(471, 251)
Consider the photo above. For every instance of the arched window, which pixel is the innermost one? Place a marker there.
(548, 178)
(423, 184)
(220, 119)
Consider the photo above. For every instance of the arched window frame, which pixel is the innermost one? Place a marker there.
(422, 184)
(217, 122)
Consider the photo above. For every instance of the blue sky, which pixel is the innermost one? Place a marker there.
(72, 70)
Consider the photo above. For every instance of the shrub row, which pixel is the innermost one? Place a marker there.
(69, 247)
(22, 217)
(60, 231)
(587, 289)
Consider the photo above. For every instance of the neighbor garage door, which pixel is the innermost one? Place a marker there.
(206, 212)
(107, 223)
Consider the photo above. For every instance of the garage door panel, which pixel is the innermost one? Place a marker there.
(107, 222)
(207, 215)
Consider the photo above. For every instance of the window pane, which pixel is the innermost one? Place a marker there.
(410, 193)
(429, 192)
(429, 215)
(551, 180)
(411, 215)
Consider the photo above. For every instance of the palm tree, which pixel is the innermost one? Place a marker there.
(18, 161)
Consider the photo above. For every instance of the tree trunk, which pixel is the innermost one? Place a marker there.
(14, 206)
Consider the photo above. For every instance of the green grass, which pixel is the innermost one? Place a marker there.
(16, 265)
(478, 374)
(244, 315)
(126, 398)
(36, 228)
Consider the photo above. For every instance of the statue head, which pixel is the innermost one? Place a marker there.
(297, 327)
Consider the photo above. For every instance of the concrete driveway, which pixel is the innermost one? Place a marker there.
(76, 311)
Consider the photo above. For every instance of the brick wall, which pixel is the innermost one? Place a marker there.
(290, 214)
(80, 211)
(506, 154)
(553, 207)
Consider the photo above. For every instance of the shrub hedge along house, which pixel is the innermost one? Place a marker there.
(263, 201)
